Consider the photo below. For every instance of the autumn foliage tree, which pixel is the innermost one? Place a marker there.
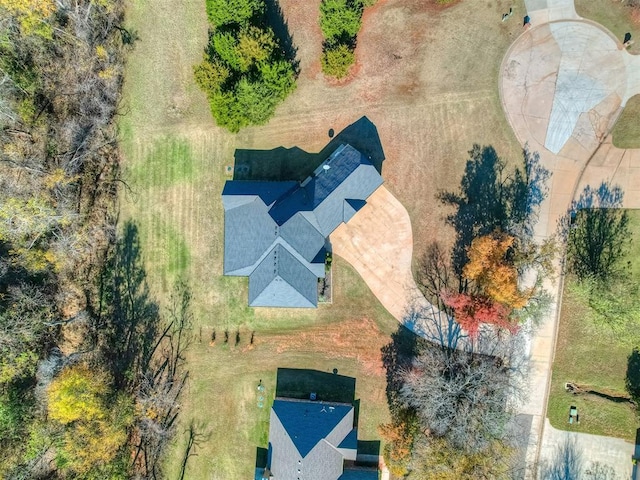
(471, 311)
(492, 270)
(94, 420)
(398, 436)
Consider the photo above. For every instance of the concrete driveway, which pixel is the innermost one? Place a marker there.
(378, 243)
(563, 84)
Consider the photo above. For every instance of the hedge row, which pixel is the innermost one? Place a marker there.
(340, 21)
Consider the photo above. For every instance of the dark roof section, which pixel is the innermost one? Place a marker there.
(351, 207)
(268, 192)
(307, 423)
(345, 174)
(281, 277)
(350, 441)
(297, 218)
(359, 474)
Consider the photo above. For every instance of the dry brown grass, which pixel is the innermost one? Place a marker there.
(358, 338)
(426, 77)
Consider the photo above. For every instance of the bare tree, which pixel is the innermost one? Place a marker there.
(162, 385)
(463, 396)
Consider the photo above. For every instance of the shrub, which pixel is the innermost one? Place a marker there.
(244, 72)
(210, 76)
(337, 60)
(340, 20)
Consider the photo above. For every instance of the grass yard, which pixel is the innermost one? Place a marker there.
(430, 88)
(590, 355)
(613, 15)
(626, 132)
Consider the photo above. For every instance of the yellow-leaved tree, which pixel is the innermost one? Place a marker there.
(95, 428)
(490, 267)
(32, 15)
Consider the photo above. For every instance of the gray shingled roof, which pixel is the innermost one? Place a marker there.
(296, 218)
(281, 275)
(249, 231)
(303, 236)
(304, 436)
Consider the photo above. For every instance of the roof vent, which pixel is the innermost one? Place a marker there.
(326, 167)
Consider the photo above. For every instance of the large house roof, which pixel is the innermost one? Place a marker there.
(307, 439)
(276, 232)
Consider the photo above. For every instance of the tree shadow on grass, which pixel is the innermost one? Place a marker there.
(632, 380)
(285, 164)
(275, 18)
(596, 230)
(492, 197)
(129, 318)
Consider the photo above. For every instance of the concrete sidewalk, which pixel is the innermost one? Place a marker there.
(563, 84)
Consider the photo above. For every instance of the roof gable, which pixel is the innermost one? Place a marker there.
(281, 280)
(351, 207)
(308, 423)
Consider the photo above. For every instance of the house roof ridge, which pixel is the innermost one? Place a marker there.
(315, 402)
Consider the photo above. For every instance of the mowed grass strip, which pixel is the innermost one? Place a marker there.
(169, 161)
(626, 132)
(593, 356)
(222, 397)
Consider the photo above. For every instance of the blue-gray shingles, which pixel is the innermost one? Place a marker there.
(258, 215)
(281, 280)
(303, 236)
(249, 231)
(307, 423)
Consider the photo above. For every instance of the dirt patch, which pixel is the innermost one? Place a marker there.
(358, 339)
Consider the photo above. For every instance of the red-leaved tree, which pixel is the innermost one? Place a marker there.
(470, 311)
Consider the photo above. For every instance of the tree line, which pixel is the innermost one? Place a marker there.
(90, 367)
(453, 398)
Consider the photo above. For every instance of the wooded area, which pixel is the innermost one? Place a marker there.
(90, 370)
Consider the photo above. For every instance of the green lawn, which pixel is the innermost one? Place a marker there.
(626, 132)
(613, 15)
(590, 355)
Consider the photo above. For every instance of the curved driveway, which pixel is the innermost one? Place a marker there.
(563, 84)
(378, 243)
